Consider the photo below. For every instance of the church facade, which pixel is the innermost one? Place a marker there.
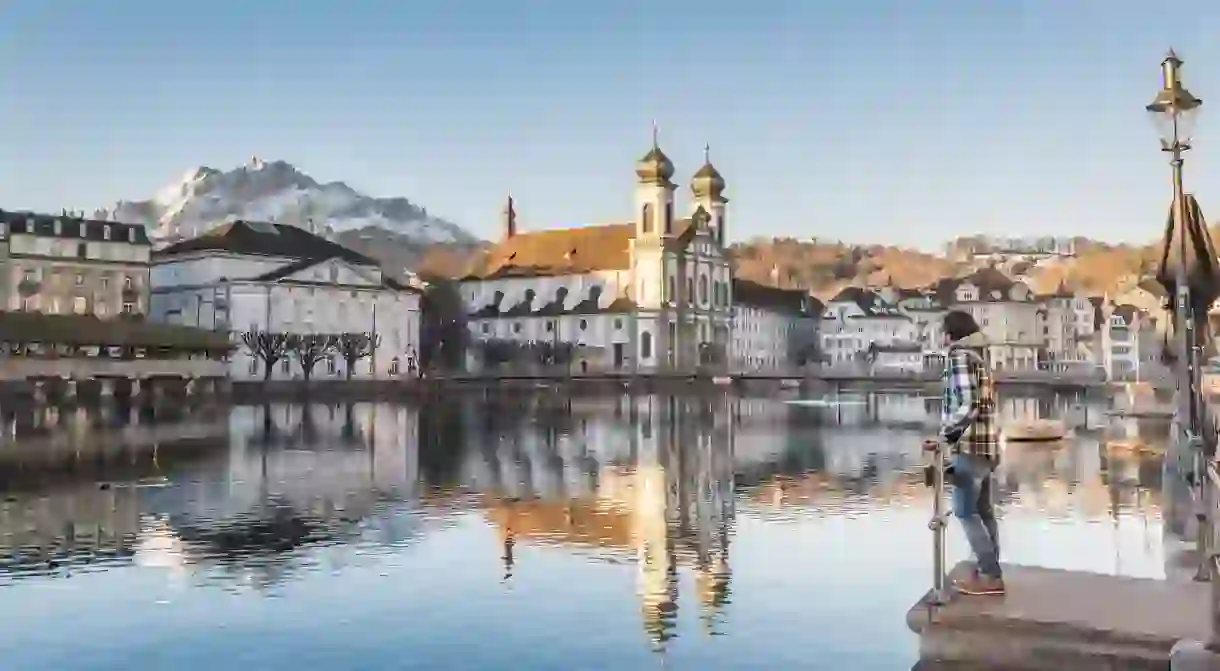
(652, 294)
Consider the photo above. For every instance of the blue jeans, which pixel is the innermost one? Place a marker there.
(972, 480)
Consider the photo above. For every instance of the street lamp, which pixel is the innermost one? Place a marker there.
(1174, 110)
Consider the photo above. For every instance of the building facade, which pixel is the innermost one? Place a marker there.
(71, 265)
(856, 320)
(1007, 312)
(249, 276)
(773, 328)
(651, 294)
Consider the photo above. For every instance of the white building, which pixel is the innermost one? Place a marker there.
(926, 315)
(1006, 311)
(653, 293)
(896, 358)
(855, 320)
(1131, 345)
(1068, 328)
(247, 276)
(773, 328)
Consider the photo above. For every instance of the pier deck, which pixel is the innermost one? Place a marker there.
(1053, 618)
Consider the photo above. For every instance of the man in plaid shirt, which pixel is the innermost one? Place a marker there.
(968, 426)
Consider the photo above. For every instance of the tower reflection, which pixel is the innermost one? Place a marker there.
(658, 491)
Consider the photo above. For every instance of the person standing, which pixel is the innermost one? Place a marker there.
(968, 426)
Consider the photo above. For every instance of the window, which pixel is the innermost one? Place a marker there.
(646, 345)
(129, 308)
(254, 365)
(82, 250)
(100, 310)
(54, 306)
(703, 289)
(646, 217)
(690, 291)
(128, 283)
(618, 323)
(80, 305)
(330, 363)
(106, 232)
(284, 365)
(672, 291)
(131, 234)
(394, 366)
(550, 326)
(584, 324)
(79, 279)
(516, 327)
(104, 283)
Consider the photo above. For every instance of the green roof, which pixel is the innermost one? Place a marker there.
(88, 330)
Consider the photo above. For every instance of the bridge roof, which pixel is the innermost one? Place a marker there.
(88, 330)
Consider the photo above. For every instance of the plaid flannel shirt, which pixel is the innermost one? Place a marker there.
(968, 408)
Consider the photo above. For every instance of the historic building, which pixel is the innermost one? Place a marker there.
(856, 321)
(70, 265)
(250, 276)
(1006, 311)
(654, 293)
(1131, 344)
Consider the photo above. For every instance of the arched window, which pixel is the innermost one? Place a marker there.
(669, 217)
(646, 345)
(646, 217)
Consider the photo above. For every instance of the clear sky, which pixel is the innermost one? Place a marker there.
(891, 121)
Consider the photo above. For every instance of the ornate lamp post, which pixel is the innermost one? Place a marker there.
(1174, 110)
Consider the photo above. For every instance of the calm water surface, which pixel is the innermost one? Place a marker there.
(527, 532)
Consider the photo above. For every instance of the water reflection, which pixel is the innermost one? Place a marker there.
(721, 532)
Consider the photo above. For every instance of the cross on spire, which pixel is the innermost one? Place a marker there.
(707, 152)
(654, 134)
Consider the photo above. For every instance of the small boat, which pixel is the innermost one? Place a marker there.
(1036, 431)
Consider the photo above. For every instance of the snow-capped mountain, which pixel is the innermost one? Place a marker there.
(276, 191)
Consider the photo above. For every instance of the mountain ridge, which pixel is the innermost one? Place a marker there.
(279, 192)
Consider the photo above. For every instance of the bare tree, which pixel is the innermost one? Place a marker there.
(310, 348)
(353, 347)
(267, 347)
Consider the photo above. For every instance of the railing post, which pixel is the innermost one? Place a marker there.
(935, 477)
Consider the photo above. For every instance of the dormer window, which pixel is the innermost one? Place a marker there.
(106, 232)
(82, 229)
(58, 227)
(131, 234)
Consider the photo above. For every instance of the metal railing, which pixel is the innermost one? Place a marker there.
(934, 477)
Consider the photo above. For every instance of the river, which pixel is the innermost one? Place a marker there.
(517, 532)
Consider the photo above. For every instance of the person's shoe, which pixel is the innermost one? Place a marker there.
(978, 584)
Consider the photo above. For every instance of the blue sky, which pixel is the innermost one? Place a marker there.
(888, 121)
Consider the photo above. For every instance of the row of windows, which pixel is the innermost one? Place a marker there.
(79, 305)
(78, 279)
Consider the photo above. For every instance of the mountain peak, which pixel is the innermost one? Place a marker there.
(277, 191)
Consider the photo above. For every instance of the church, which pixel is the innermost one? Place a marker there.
(652, 294)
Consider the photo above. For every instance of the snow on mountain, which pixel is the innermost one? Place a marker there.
(276, 191)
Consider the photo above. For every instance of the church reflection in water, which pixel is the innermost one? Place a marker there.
(656, 488)
(250, 498)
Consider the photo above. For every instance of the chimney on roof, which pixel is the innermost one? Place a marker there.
(510, 219)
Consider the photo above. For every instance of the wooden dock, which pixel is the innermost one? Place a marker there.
(1055, 619)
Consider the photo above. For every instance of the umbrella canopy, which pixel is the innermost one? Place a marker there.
(1202, 272)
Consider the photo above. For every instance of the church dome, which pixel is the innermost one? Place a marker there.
(707, 181)
(655, 167)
